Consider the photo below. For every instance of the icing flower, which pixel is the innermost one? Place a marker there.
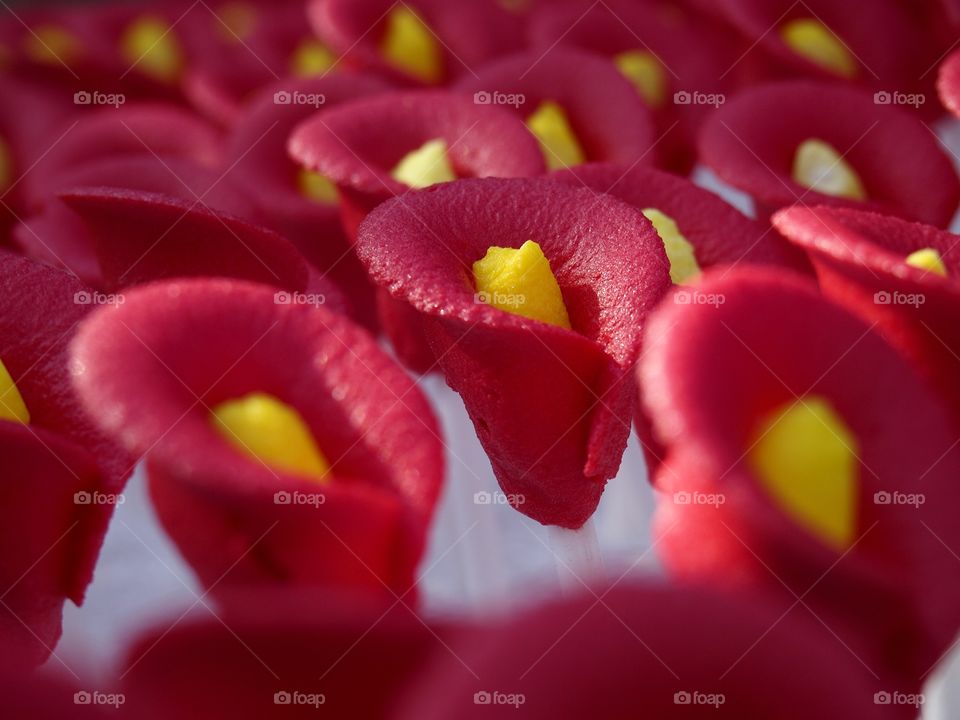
(807, 460)
(897, 274)
(62, 478)
(374, 148)
(580, 107)
(299, 204)
(651, 46)
(282, 445)
(419, 42)
(55, 234)
(816, 143)
(682, 652)
(343, 655)
(532, 296)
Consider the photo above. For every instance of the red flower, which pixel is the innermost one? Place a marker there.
(57, 235)
(462, 34)
(753, 142)
(308, 652)
(868, 559)
(258, 161)
(860, 259)
(57, 467)
(883, 46)
(552, 407)
(183, 349)
(648, 652)
(357, 144)
(606, 114)
(679, 53)
(142, 236)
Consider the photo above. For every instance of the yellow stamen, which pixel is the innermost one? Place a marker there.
(521, 282)
(927, 259)
(316, 187)
(646, 73)
(150, 45)
(312, 58)
(561, 148)
(52, 45)
(806, 458)
(12, 407)
(817, 43)
(818, 166)
(680, 253)
(265, 428)
(409, 45)
(425, 166)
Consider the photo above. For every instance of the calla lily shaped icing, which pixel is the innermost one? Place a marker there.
(278, 447)
(62, 478)
(685, 652)
(787, 473)
(897, 274)
(496, 269)
(580, 107)
(819, 143)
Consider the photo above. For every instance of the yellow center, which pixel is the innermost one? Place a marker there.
(805, 457)
(409, 45)
(236, 21)
(559, 142)
(6, 166)
(316, 187)
(150, 45)
(12, 407)
(265, 428)
(425, 166)
(927, 259)
(521, 282)
(680, 253)
(817, 43)
(646, 73)
(818, 166)
(51, 44)
(311, 58)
